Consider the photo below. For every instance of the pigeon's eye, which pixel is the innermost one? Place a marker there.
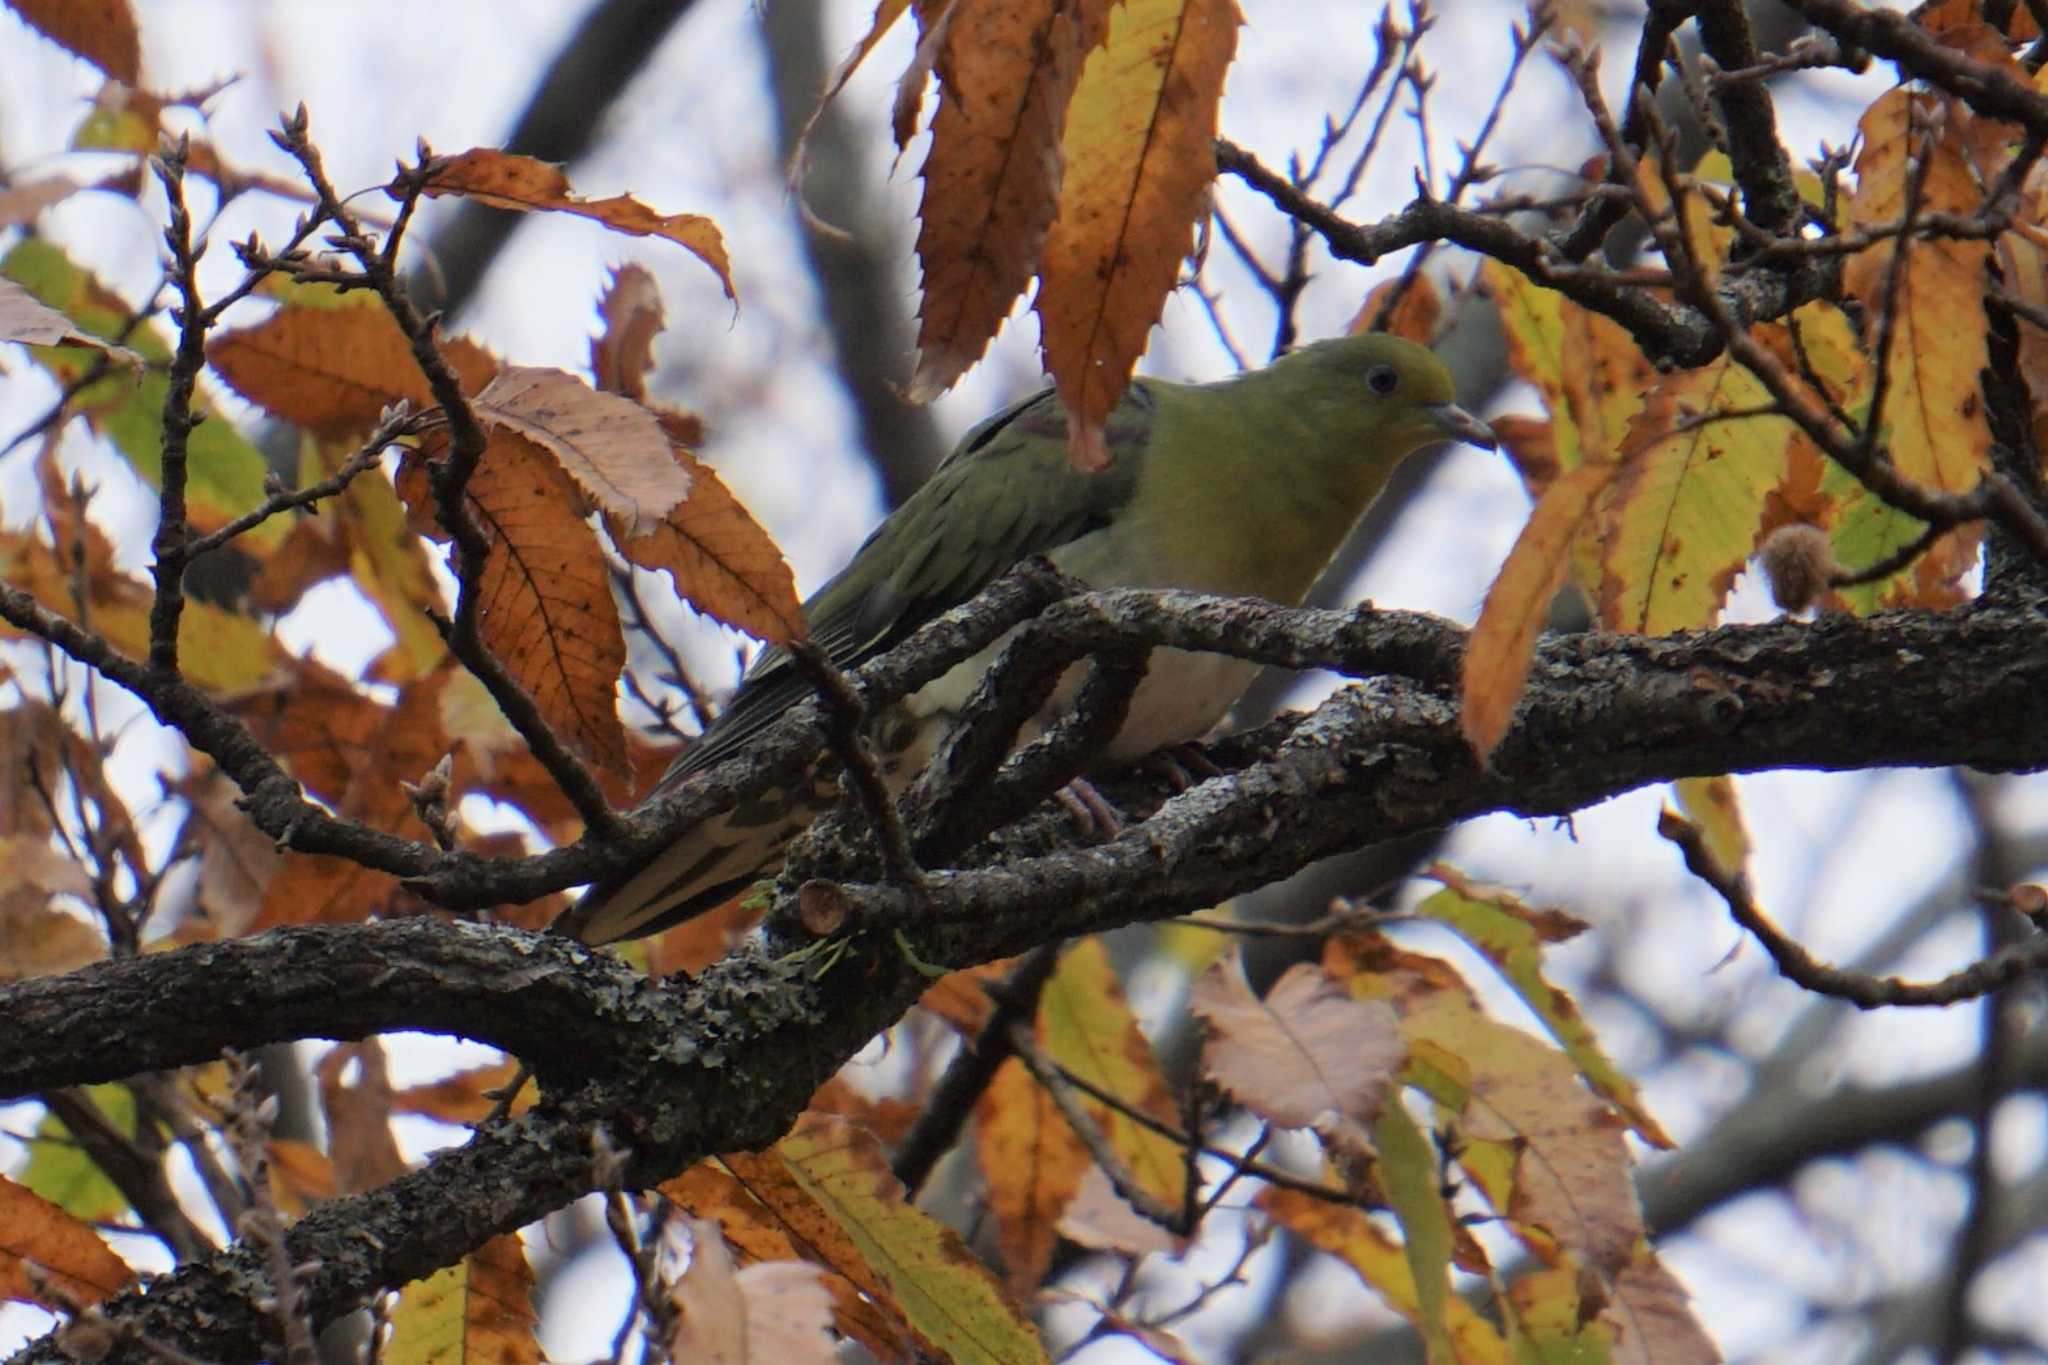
(1382, 379)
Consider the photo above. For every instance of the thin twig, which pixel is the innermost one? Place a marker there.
(172, 543)
(1800, 967)
(843, 714)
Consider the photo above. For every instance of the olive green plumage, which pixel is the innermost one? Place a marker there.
(1245, 487)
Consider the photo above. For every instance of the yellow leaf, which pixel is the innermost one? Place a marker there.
(1587, 367)
(480, 1308)
(507, 180)
(1007, 69)
(1713, 804)
(1511, 936)
(1414, 1185)
(1381, 1261)
(1503, 641)
(61, 1171)
(1086, 1025)
(942, 1290)
(1683, 512)
(1141, 130)
(1933, 419)
(225, 472)
(1548, 1154)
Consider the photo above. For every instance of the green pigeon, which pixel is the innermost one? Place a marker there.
(1245, 487)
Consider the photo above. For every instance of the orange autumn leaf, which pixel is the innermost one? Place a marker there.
(1139, 162)
(333, 369)
(1032, 1164)
(1007, 69)
(721, 560)
(1412, 308)
(622, 354)
(507, 180)
(1503, 641)
(101, 31)
(69, 1254)
(545, 606)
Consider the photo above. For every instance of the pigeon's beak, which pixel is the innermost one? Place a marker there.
(1460, 425)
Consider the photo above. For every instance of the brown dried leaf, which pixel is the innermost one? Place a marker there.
(237, 861)
(1007, 69)
(101, 31)
(1503, 642)
(463, 1097)
(1307, 1056)
(1414, 315)
(613, 448)
(333, 369)
(506, 180)
(1032, 1165)
(622, 355)
(1946, 17)
(932, 20)
(1139, 154)
(358, 1115)
(1650, 1315)
(355, 752)
(36, 937)
(1099, 1218)
(69, 1254)
(23, 201)
(721, 560)
(772, 1311)
(26, 319)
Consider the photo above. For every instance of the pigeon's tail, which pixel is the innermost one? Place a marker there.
(698, 872)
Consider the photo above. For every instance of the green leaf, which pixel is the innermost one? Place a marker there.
(60, 1171)
(225, 472)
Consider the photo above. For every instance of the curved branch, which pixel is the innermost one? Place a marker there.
(674, 1071)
